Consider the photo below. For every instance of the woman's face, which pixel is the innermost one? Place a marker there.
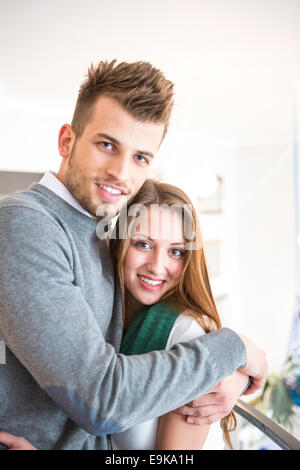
(155, 257)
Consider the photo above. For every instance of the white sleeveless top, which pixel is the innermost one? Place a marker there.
(143, 435)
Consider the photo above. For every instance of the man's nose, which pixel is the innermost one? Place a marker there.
(118, 167)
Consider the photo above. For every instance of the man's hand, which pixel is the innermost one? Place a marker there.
(218, 403)
(15, 442)
(256, 366)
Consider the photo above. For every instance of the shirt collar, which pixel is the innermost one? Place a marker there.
(50, 181)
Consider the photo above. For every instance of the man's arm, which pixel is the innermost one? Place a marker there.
(216, 404)
(220, 401)
(48, 325)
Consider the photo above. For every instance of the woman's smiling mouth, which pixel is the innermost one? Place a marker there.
(149, 283)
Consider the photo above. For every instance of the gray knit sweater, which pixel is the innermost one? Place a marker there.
(64, 385)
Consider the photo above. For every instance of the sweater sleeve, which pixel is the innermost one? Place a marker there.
(48, 325)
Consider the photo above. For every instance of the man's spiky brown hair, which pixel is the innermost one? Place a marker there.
(139, 87)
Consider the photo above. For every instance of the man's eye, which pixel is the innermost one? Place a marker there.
(142, 159)
(106, 145)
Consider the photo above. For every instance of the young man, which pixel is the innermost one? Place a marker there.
(63, 385)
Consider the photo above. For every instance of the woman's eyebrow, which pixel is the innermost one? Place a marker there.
(143, 235)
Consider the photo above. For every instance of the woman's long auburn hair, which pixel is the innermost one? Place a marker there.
(192, 292)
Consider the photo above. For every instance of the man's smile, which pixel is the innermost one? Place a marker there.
(111, 192)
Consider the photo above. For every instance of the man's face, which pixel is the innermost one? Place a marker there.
(110, 161)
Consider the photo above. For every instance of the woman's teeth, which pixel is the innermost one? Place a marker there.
(110, 190)
(152, 283)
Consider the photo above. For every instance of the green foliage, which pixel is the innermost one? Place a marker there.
(276, 397)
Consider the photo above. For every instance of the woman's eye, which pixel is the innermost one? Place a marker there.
(143, 244)
(177, 252)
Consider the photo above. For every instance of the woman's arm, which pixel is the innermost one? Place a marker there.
(175, 433)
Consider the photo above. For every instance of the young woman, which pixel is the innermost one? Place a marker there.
(167, 300)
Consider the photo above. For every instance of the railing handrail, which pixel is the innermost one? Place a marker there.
(274, 431)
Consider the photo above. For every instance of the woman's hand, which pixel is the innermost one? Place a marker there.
(15, 442)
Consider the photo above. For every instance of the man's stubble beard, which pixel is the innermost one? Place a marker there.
(76, 183)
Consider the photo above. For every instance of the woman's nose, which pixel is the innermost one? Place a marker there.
(157, 264)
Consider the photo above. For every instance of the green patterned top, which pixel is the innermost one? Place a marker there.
(150, 329)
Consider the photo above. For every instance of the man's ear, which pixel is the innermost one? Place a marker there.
(66, 138)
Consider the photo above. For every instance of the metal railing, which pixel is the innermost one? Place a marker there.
(267, 426)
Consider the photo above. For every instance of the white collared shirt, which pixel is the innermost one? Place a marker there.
(50, 181)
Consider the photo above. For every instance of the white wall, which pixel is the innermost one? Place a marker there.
(264, 250)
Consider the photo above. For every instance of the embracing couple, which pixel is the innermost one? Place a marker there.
(113, 340)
